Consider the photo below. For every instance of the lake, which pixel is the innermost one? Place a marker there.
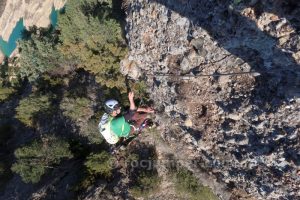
(8, 47)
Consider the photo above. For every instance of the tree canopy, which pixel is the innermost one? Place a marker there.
(31, 106)
(34, 159)
(38, 55)
(93, 37)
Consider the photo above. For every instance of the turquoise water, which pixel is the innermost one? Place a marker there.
(53, 17)
(8, 47)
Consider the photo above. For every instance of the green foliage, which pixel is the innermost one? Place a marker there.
(100, 163)
(3, 73)
(34, 159)
(32, 106)
(132, 157)
(147, 183)
(52, 81)
(5, 92)
(8, 75)
(187, 185)
(5, 78)
(143, 172)
(91, 132)
(37, 56)
(140, 90)
(78, 109)
(236, 2)
(91, 36)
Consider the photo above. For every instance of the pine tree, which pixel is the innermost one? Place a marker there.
(77, 109)
(91, 36)
(99, 163)
(34, 159)
(30, 107)
(38, 55)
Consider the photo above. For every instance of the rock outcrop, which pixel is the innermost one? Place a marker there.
(35, 12)
(242, 129)
(1, 57)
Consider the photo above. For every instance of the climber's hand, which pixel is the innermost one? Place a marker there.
(131, 96)
(149, 110)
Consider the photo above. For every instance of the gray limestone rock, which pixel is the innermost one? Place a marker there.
(248, 124)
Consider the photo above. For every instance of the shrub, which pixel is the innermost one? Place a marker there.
(77, 109)
(147, 182)
(186, 184)
(30, 107)
(34, 159)
(99, 164)
(91, 132)
(144, 176)
(5, 92)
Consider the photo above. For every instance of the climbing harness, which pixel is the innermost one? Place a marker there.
(138, 130)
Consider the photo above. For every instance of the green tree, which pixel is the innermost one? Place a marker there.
(34, 159)
(99, 163)
(77, 109)
(147, 183)
(38, 55)
(6, 81)
(92, 36)
(5, 92)
(31, 107)
(91, 132)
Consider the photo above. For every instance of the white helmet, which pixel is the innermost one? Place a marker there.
(111, 105)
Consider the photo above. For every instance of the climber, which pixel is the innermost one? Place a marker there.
(114, 126)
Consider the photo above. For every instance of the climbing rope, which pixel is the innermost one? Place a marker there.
(254, 73)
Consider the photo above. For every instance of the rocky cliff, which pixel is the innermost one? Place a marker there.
(1, 57)
(35, 12)
(240, 128)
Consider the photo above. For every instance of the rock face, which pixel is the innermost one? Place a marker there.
(35, 12)
(1, 57)
(242, 129)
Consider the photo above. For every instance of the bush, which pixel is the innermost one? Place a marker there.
(77, 109)
(186, 184)
(91, 132)
(144, 176)
(5, 93)
(99, 164)
(147, 182)
(30, 107)
(34, 159)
